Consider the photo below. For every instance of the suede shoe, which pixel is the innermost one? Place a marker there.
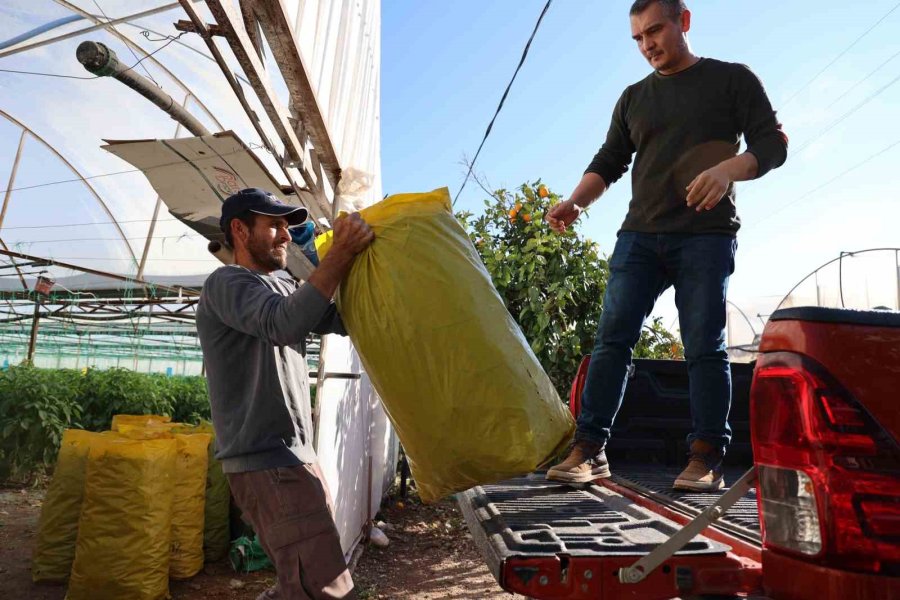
(704, 470)
(586, 462)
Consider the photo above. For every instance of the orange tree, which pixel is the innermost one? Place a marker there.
(552, 284)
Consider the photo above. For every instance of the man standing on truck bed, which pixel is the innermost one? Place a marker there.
(253, 328)
(684, 122)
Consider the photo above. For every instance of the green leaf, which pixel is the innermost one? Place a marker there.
(552, 284)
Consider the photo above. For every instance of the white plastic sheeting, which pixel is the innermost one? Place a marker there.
(340, 45)
(52, 213)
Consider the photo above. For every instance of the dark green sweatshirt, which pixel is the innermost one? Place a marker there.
(253, 329)
(680, 125)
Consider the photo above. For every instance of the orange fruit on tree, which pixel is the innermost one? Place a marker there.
(526, 218)
(543, 192)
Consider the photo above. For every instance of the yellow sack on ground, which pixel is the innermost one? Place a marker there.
(54, 550)
(188, 505)
(460, 383)
(189, 498)
(217, 505)
(216, 534)
(126, 521)
(137, 420)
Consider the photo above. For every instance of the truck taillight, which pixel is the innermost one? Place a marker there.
(828, 473)
(789, 509)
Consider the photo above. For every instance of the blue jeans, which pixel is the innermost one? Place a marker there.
(642, 266)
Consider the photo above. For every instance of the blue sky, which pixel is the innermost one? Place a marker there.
(445, 65)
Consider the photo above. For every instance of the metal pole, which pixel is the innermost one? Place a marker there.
(100, 60)
(103, 25)
(145, 54)
(50, 261)
(12, 178)
(140, 271)
(32, 343)
(75, 170)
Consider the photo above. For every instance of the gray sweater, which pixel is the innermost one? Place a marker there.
(253, 329)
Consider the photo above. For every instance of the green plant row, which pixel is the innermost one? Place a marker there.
(37, 405)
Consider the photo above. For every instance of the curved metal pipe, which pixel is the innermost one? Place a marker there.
(102, 61)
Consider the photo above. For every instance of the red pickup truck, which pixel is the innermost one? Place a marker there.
(814, 507)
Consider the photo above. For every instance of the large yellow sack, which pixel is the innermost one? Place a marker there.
(58, 526)
(188, 505)
(216, 534)
(137, 420)
(460, 383)
(217, 505)
(189, 498)
(126, 521)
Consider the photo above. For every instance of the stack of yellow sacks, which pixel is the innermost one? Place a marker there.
(126, 508)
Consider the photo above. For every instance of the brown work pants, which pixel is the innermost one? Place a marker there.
(290, 509)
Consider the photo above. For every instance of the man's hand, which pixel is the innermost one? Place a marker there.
(562, 215)
(352, 235)
(708, 188)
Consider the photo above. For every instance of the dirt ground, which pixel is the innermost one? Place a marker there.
(430, 556)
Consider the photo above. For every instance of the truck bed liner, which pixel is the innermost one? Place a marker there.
(656, 482)
(530, 517)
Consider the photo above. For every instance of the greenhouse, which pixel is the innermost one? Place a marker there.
(123, 128)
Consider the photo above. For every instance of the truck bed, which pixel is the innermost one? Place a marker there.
(549, 540)
(655, 482)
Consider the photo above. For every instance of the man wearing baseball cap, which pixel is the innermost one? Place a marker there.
(253, 327)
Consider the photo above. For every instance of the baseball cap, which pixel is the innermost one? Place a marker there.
(260, 202)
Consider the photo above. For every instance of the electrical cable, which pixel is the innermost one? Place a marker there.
(844, 117)
(502, 100)
(132, 67)
(826, 184)
(251, 146)
(863, 80)
(840, 55)
(130, 49)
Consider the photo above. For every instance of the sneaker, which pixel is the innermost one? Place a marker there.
(704, 470)
(586, 462)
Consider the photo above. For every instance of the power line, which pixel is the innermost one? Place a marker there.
(170, 38)
(251, 146)
(839, 56)
(85, 224)
(843, 117)
(826, 184)
(502, 99)
(864, 79)
(130, 49)
(132, 239)
(67, 258)
(47, 74)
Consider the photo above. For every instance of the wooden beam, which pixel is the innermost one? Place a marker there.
(251, 25)
(205, 32)
(232, 23)
(273, 17)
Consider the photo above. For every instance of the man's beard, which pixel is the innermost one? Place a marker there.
(264, 254)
